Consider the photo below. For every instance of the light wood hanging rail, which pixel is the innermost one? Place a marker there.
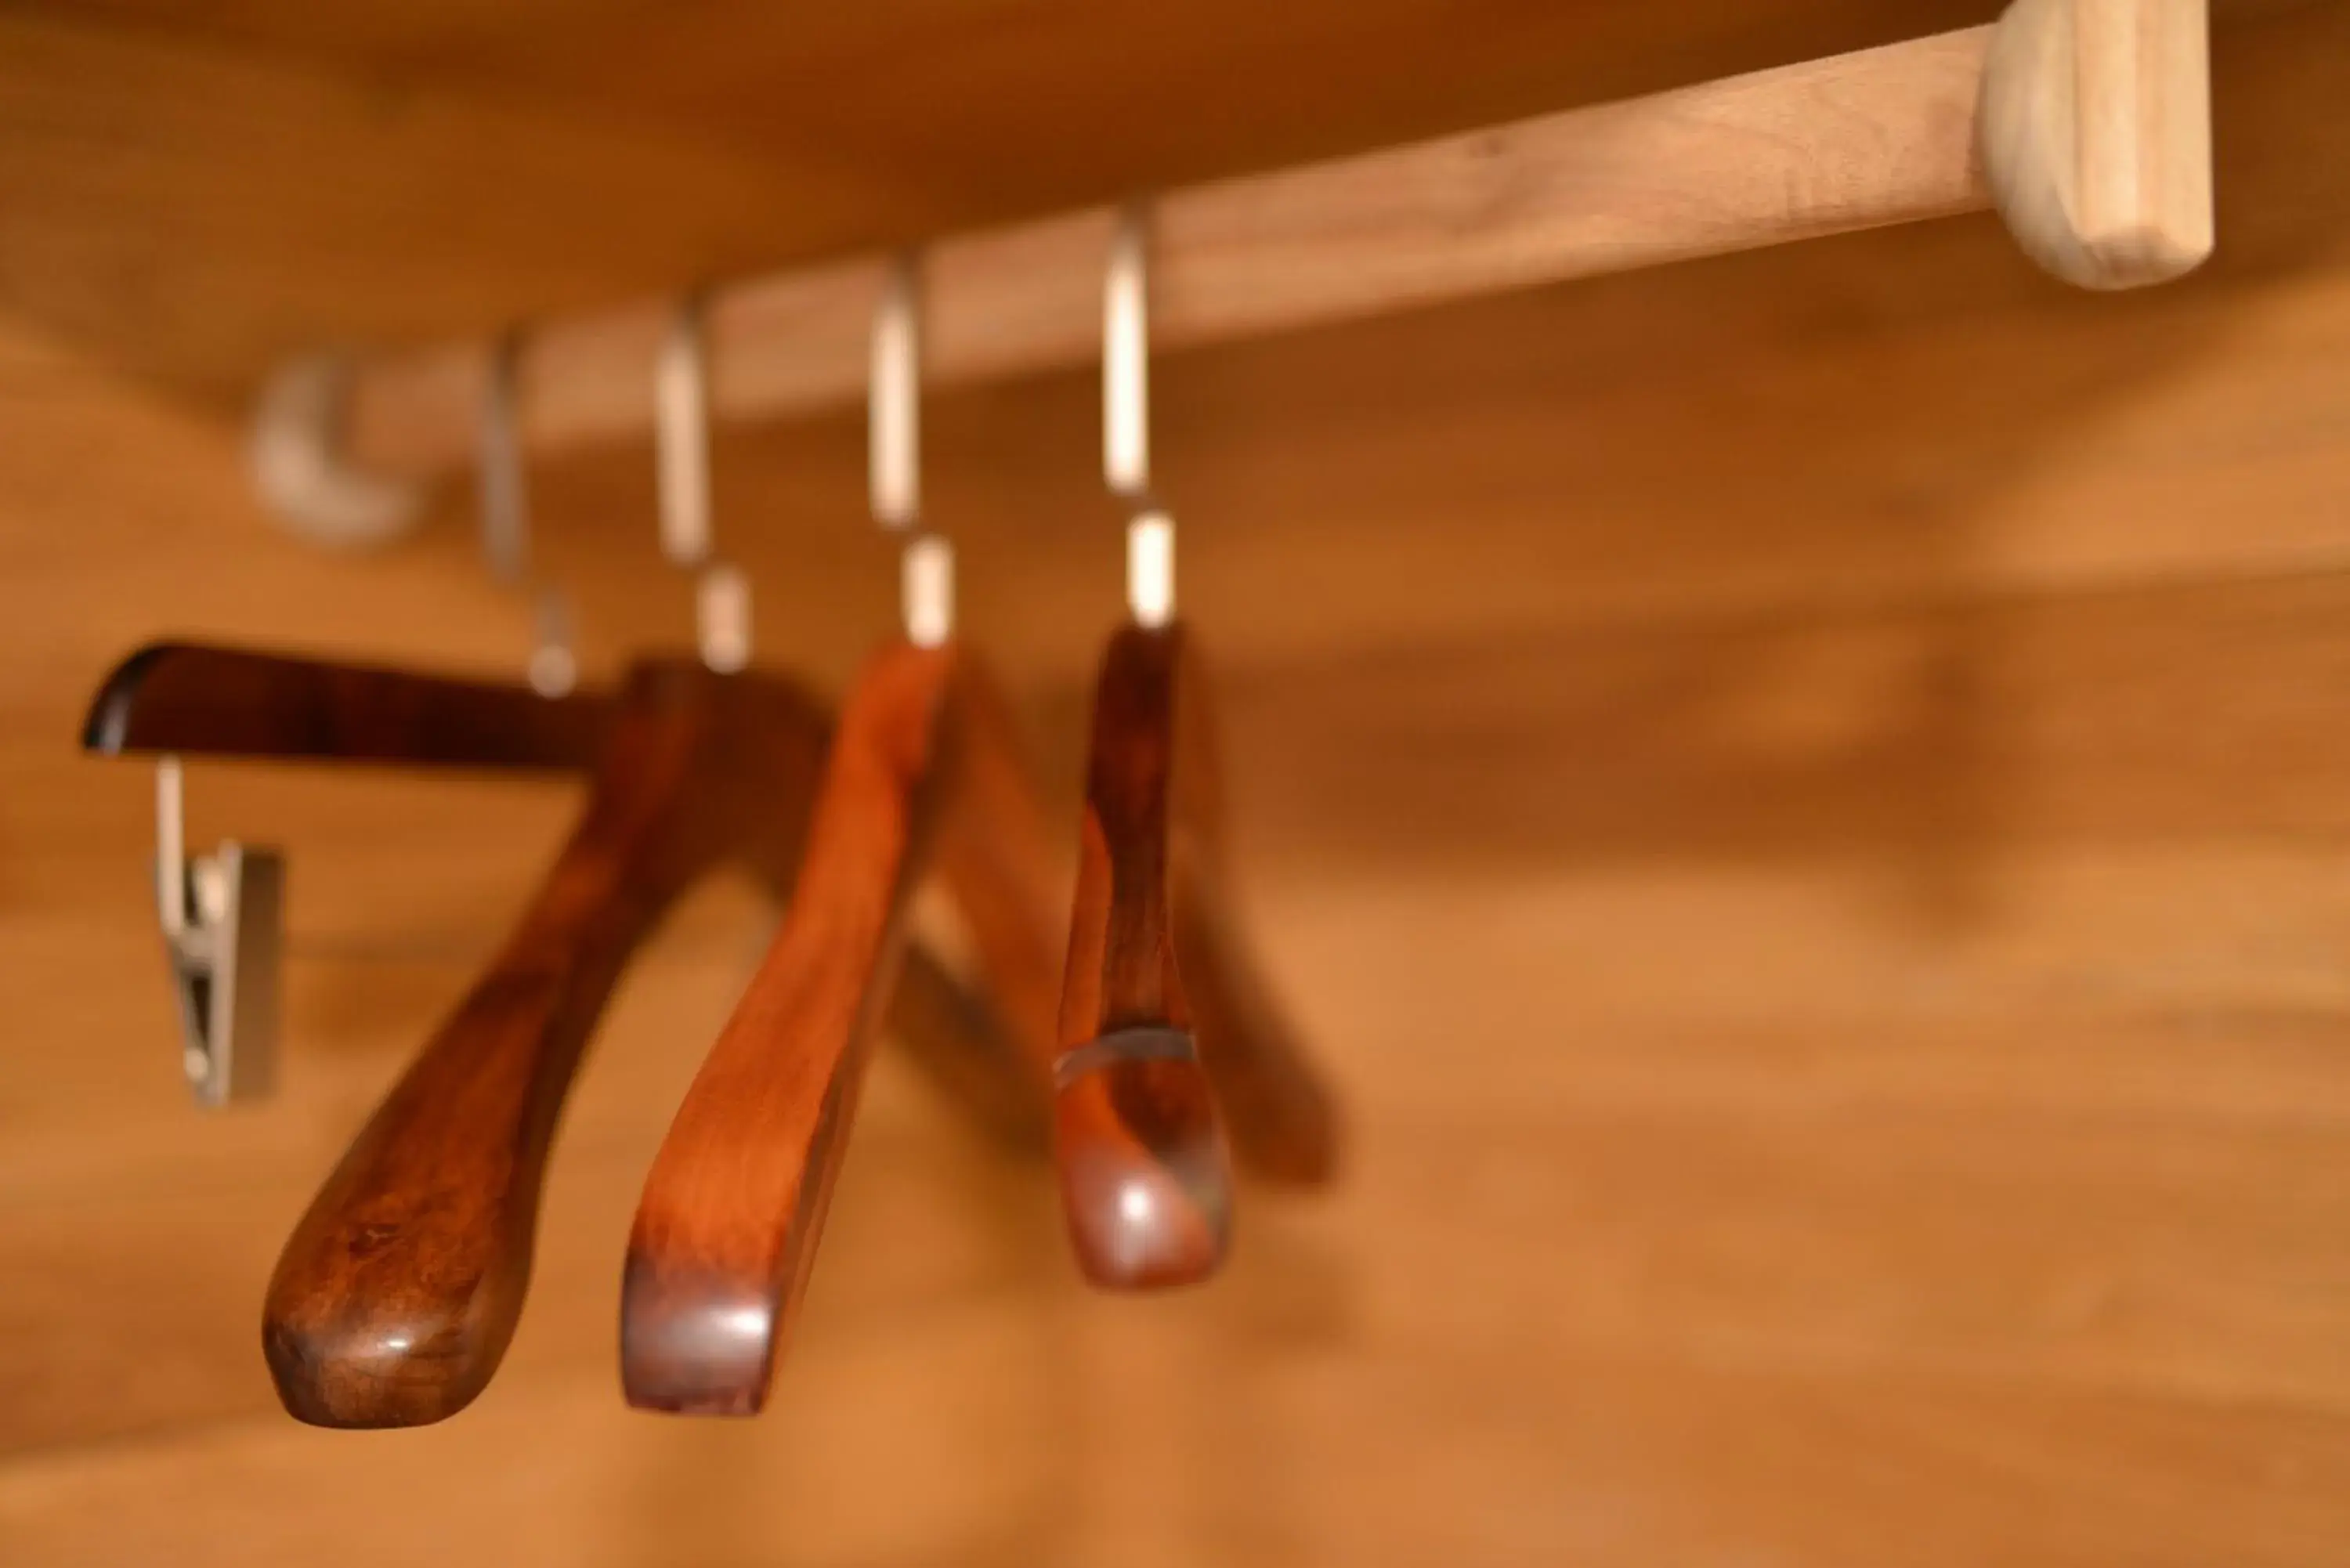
(2085, 122)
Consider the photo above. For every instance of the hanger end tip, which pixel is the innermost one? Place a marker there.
(368, 1371)
(1146, 1180)
(693, 1345)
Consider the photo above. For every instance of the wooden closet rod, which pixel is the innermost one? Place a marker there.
(2086, 120)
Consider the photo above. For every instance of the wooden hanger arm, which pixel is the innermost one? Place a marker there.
(393, 1302)
(197, 699)
(727, 1228)
(1145, 1178)
(980, 1046)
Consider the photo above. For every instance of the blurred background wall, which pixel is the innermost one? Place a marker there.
(1802, 798)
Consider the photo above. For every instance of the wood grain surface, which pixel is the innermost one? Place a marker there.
(1800, 800)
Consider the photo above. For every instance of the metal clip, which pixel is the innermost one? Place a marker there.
(223, 917)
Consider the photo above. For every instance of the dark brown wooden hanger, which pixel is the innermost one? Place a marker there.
(202, 700)
(398, 1291)
(924, 772)
(1166, 1015)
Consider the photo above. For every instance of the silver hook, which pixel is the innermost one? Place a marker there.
(681, 436)
(893, 451)
(1126, 420)
(505, 521)
(221, 920)
(721, 595)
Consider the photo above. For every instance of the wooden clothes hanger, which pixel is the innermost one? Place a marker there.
(1166, 1016)
(1163, 995)
(923, 774)
(400, 1289)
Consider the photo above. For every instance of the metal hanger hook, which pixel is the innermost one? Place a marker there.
(506, 520)
(1125, 419)
(504, 495)
(894, 438)
(893, 443)
(681, 435)
(721, 593)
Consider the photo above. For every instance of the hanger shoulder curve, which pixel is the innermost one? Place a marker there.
(202, 699)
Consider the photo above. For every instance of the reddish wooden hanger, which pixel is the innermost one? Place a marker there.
(398, 1291)
(1166, 1016)
(924, 772)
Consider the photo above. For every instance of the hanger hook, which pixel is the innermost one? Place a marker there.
(504, 498)
(1125, 419)
(721, 595)
(893, 449)
(681, 435)
(506, 519)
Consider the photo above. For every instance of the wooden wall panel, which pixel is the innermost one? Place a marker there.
(1036, 1456)
(194, 212)
(1800, 798)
